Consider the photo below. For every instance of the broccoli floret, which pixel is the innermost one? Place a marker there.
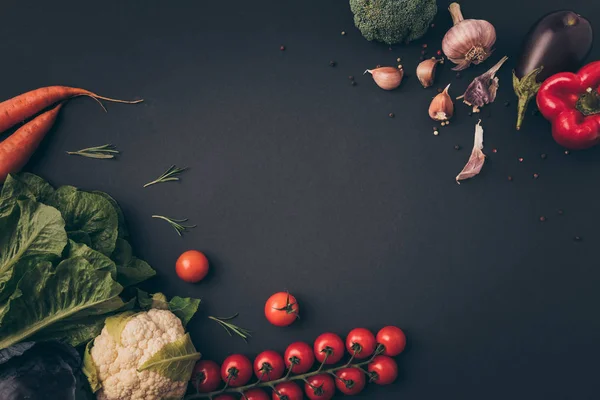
(393, 21)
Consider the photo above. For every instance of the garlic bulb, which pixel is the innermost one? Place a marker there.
(468, 41)
(426, 71)
(387, 78)
(441, 107)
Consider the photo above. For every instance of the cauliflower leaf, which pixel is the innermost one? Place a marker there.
(175, 360)
(89, 368)
(183, 307)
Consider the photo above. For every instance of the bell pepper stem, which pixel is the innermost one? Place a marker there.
(589, 102)
(525, 89)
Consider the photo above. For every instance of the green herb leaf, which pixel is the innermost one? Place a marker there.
(90, 213)
(168, 176)
(33, 232)
(89, 368)
(103, 152)
(73, 289)
(176, 223)
(175, 360)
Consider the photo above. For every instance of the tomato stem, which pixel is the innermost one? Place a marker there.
(303, 377)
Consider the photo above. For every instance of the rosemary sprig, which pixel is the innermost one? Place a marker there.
(232, 328)
(176, 224)
(168, 175)
(104, 152)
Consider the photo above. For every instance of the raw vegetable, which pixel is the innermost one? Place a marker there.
(393, 21)
(18, 148)
(557, 42)
(281, 309)
(387, 78)
(57, 239)
(300, 357)
(571, 102)
(26, 105)
(145, 355)
(441, 107)
(206, 376)
(183, 307)
(255, 394)
(477, 158)
(392, 339)
(106, 151)
(361, 343)
(468, 41)
(483, 89)
(268, 366)
(192, 266)
(51, 370)
(426, 71)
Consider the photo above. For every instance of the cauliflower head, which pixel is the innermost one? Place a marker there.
(130, 358)
(393, 21)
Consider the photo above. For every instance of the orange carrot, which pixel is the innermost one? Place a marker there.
(26, 105)
(16, 150)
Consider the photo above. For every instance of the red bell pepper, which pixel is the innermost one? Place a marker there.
(571, 102)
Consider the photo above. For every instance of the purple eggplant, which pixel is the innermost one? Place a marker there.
(557, 42)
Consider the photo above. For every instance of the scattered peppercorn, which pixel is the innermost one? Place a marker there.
(458, 75)
(433, 25)
(352, 83)
(378, 66)
(577, 238)
(535, 176)
(510, 178)
(389, 48)
(424, 46)
(391, 115)
(332, 63)
(399, 66)
(439, 90)
(439, 52)
(560, 212)
(398, 59)
(567, 152)
(542, 219)
(421, 58)
(494, 150)
(282, 48)
(343, 33)
(435, 133)
(520, 159)
(456, 147)
(351, 77)
(506, 103)
(423, 52)
(543, 156)
(470, 113)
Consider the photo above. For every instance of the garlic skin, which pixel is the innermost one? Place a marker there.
(441, 107)
(426, 71)
(483, 89)
(468, 41)
(387, 78)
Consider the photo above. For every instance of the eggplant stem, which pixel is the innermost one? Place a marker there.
(525, 89)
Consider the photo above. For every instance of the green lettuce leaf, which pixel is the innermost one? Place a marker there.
(130, 270)
(123, 231)
(47, 296)
(183, 307)
(90, 213)
(89, 368)
(24, 185)
(97, 259)
(175, 360)
(80, 237)
(32, 233)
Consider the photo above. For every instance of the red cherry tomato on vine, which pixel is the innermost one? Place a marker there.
(350, 381)
(384, 370)
(225, 397)
(287, 391)
(319, 387)
(206, 376)
(191, 266)
(302, 353)
(255, 394)
(237, 370)
(361, 342)
(393, 339)
(268, 366)
(281, 309)
(329, 345)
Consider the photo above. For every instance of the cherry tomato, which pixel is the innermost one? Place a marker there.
(268, 366)
(237, 370)
(191, 266)
(361, 342)
(206, 376)
(319, 387)
(329, 345)
(384, 370)
(225, 397)
(350, 380)
(255, 394)
(393, 339)
(281, 309)
(287, 391)
(303, 356)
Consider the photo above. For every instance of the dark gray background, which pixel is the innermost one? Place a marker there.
(300, 181)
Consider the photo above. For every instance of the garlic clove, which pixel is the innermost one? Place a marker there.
(441, 107)
(387, 78)
(426, 71)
